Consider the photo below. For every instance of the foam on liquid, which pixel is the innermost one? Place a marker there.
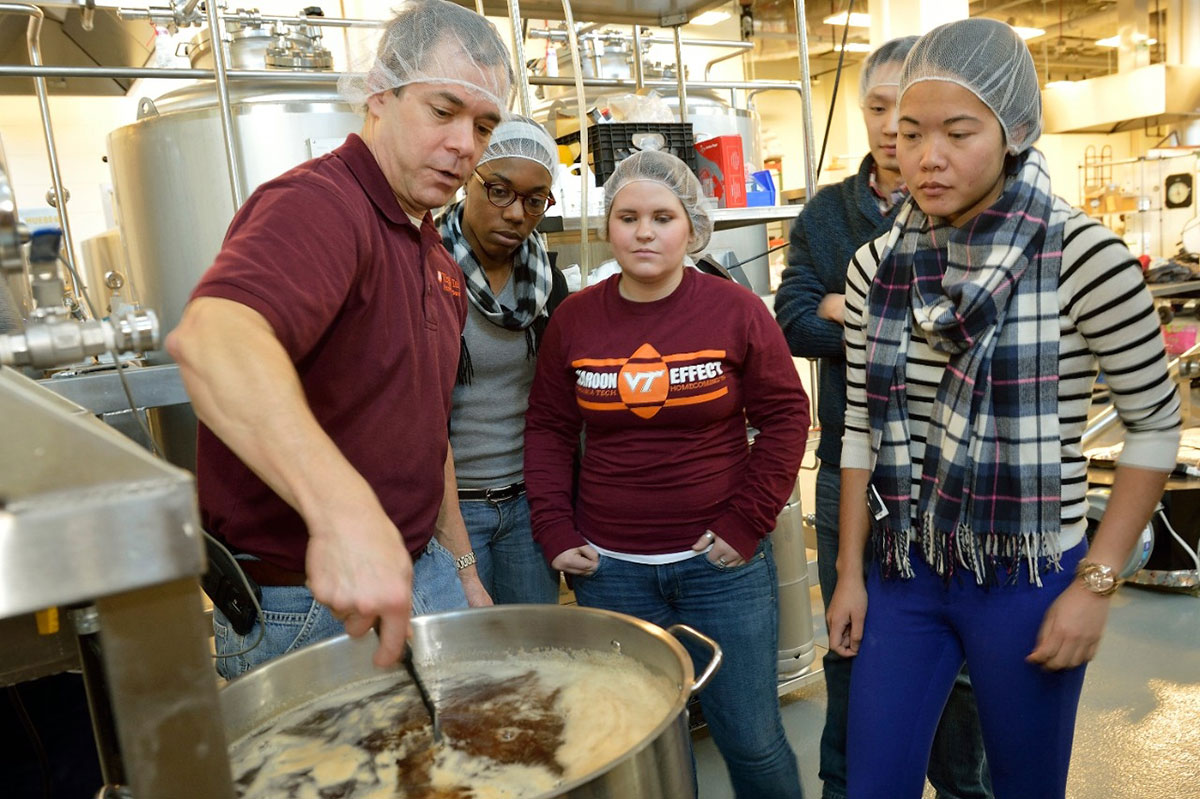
(512, 728)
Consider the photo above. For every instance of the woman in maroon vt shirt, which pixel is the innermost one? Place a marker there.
(661, 368)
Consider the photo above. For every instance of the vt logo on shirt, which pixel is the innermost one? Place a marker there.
(646, 381)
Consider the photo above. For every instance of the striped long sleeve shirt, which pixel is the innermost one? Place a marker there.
(1107, 322)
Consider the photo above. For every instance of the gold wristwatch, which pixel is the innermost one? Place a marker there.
(1097, 577)
(463, 561)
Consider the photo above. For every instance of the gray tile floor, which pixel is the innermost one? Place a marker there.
(1138, 731)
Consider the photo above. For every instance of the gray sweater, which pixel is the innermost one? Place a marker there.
(487, 419)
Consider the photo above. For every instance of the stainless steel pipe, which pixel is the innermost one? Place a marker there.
(680, 78)
(810, 156)
(33, 36)
(1108, 418)
(518, 38)
(227, 129)
(561, 36)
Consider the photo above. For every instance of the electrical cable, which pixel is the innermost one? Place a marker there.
(1179, 539)
(760, 255)
(837, 79)
(141, 418)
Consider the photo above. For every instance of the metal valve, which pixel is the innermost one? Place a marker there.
(58, 341)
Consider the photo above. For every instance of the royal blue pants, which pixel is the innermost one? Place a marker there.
(957, 766)
(917, 634)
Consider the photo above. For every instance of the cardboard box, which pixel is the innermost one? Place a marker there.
(721, 170)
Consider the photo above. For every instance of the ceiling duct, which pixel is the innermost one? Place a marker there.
(1139, 95)
(1160, 94)
(111, 42)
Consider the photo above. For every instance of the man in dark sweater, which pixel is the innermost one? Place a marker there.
(808, 306)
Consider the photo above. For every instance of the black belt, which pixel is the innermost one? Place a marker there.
(500, 494)
(267, 573)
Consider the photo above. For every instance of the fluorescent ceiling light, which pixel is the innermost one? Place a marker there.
(857, 20)
(1053, 83)
(709, 18)
(853, 47)
(1028, 33)
(1115, 41)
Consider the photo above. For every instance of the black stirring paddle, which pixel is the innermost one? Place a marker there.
(425, 698)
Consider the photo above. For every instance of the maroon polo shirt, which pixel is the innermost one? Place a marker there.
(370, 309)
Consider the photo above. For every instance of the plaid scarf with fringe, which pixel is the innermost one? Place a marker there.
(532, 282)
(986, 294)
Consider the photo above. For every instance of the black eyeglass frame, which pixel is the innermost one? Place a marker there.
(487, 192)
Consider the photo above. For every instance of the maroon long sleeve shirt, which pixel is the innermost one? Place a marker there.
(663, 392)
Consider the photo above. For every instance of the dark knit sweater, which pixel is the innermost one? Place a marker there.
(839, 220)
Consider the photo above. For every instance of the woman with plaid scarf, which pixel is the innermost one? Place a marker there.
(974, 330)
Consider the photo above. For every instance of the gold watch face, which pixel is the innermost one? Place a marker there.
(1098, 579)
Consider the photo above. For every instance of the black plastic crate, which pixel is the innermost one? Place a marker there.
(612, 142)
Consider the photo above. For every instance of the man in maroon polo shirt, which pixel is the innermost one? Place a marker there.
(320, 352)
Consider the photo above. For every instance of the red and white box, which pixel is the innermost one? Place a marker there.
(721, 170)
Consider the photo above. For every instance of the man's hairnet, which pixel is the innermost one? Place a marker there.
(660, 167)
(988, 59)
(521, 137)
(435, 41)
(890, 53)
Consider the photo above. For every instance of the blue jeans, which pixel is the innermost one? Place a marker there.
(916, 636)
(736, 607)
(510, 563)
(294, 619)
(957, 765)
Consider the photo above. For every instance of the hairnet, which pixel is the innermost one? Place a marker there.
(890, 53)
(988, 59)
(521, 137)
(660, 167)
(435, 41)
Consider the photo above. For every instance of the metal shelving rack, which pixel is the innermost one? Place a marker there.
(662, 13)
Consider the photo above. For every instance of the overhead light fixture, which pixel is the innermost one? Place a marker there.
(709, 18)
(1057, 83)
(1028, 33)
(1115, 41)
(853, 47)
(857, 20)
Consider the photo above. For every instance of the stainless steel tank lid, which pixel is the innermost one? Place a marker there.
(203, 95)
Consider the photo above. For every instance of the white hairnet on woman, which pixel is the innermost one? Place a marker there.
(435, 41)
(522, 137)
(660, 167)
(889, 54)
(987, 58)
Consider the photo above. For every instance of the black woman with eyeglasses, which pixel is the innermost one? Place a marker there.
(512, 288)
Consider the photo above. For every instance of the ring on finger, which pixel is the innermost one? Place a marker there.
(720, 561)
(711, 535)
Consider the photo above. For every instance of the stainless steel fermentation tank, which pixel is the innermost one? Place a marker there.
(171, 181)
(172, 187)
(709, 112)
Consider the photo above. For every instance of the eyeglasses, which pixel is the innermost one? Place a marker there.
(502, 196)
